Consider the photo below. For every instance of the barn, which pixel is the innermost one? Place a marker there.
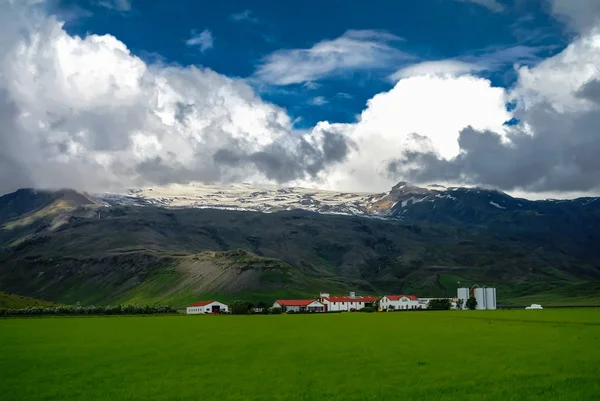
(299, 305)
(207, 307)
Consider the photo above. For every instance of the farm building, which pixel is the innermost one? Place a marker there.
(299, 305)
(394, 302)
(204, 307)
(486, 297)
(348, 303)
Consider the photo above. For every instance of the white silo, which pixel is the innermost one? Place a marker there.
(480, 297)
(463, 293)
(490, 298)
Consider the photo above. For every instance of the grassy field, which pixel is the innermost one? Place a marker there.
(484, 355)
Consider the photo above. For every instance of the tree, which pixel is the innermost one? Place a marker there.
(459, 304)
(262, 305)
(239, 307)
(439, 304)
(471, 303)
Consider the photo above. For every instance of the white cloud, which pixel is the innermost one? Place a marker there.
(318, 101)
(434, 107)
(245, 15)
(441, 67)
(86, 113)
(202, 40)
(119, 5)
(492, 5)
(556, 80)
(353, 51)
(553, 149)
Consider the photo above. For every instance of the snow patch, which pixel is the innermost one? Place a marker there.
(497, 205)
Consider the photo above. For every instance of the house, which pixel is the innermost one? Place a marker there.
(299, 305)
(212, 307)
(348, 303)
(399, 302)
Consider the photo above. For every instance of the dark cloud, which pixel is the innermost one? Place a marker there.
(590, 91)
(279, 163)
(561, 155)
(13, 174)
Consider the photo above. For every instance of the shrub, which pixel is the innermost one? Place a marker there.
(275, 311)
(239, 307)
(265, 311)
(290, 311)
(439, 304)
(471, 303)
(368, 309)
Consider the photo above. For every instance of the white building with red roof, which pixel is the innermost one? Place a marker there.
(347, 303)
(299, 305)
(394, 302)
(207, 307)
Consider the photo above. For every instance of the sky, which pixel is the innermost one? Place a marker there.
(104, 95)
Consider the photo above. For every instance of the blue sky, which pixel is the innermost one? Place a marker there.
(244, 34)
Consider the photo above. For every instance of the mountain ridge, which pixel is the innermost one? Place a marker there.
(420, 240)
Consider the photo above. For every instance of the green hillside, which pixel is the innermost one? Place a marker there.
(149, 254)
(8, 301)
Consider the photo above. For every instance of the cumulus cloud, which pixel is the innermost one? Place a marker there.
(492, 5)
(202, 40)
(86, 113)
(553, 148)
(353, 51)
(435, 108)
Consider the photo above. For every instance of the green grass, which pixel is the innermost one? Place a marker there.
(480, 356)
(16, 301)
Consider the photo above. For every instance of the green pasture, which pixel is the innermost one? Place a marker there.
(454, 355)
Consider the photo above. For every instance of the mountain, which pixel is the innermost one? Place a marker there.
(178, 244)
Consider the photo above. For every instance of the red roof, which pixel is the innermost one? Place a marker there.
(295, 302)
(203, 303)
(398, 297)
(351, 299)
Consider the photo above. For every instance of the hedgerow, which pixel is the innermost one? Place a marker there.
(89, 310)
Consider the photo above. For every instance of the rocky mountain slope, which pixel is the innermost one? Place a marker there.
(165, 246)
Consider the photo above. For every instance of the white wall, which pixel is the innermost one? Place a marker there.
(343, 306)
(200, 310)
(403, 303)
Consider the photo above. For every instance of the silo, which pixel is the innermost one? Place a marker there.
(463, 293)
(480, 297)
(490, 298)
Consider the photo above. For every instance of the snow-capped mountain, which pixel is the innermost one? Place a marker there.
(404, 200)
(246, 197)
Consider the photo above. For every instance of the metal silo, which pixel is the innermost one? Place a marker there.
(463, 293)
(490, 298)
(480, 297)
